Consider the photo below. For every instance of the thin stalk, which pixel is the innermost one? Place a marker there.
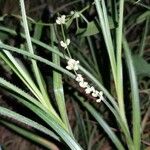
(64, 38)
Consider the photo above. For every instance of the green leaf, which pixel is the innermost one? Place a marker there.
(54, 123)
(143, 17)
(104, 24)
(136, 114)
(58, 83)
(92, 29)
(81, 125)
(20, 118)
(23, 94)
(102, 123)
(84, 71)
(80, 31)
(36, 57)
(32, 136)
(35, 68)
(142, 67)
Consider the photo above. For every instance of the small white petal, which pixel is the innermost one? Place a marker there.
(58, 22)
(95, 93)
(68, 42)
(83, 84)
(72, 12)
(88, 90)
(76, 67)
(68, 67)
(61, 19)
(71, 61)
(73, 64)
(92, 89)
(79, 78)
(64, 45)
(98, 100)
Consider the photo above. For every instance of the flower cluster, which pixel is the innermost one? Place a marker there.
(89, 89)
(74, 65)
(61, 20)
(65, 44)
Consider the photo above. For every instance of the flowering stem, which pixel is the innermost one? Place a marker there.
(64, 38)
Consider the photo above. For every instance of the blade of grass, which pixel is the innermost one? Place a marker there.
(102, 14)
(23, 73)
(30, 48)
(54, 123)
(32, 136)
(94, 58)
(11, 114)
(136, 116)
(23, 94)
(103, 124)
(38, 75)
(142, 46)
(90, 143)
(5, 47)
(29, 82)
(140, 4)
(120, 94)
(57, 83)
(81, 125)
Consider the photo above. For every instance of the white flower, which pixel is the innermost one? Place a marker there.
(72, 12)
(100, 95)
(79, 78)
(65, 44)
(89, 89)
(92, 88)
(61, 19)
(72, 64)
(98, 100)
(95, 93)
(83, 84)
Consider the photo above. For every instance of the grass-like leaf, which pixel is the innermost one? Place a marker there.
(136, 116)
(20, 118)
(58, 83)
(32, 136)
(54, 123)
(103, 124)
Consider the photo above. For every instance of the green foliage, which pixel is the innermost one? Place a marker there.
(96, 44)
